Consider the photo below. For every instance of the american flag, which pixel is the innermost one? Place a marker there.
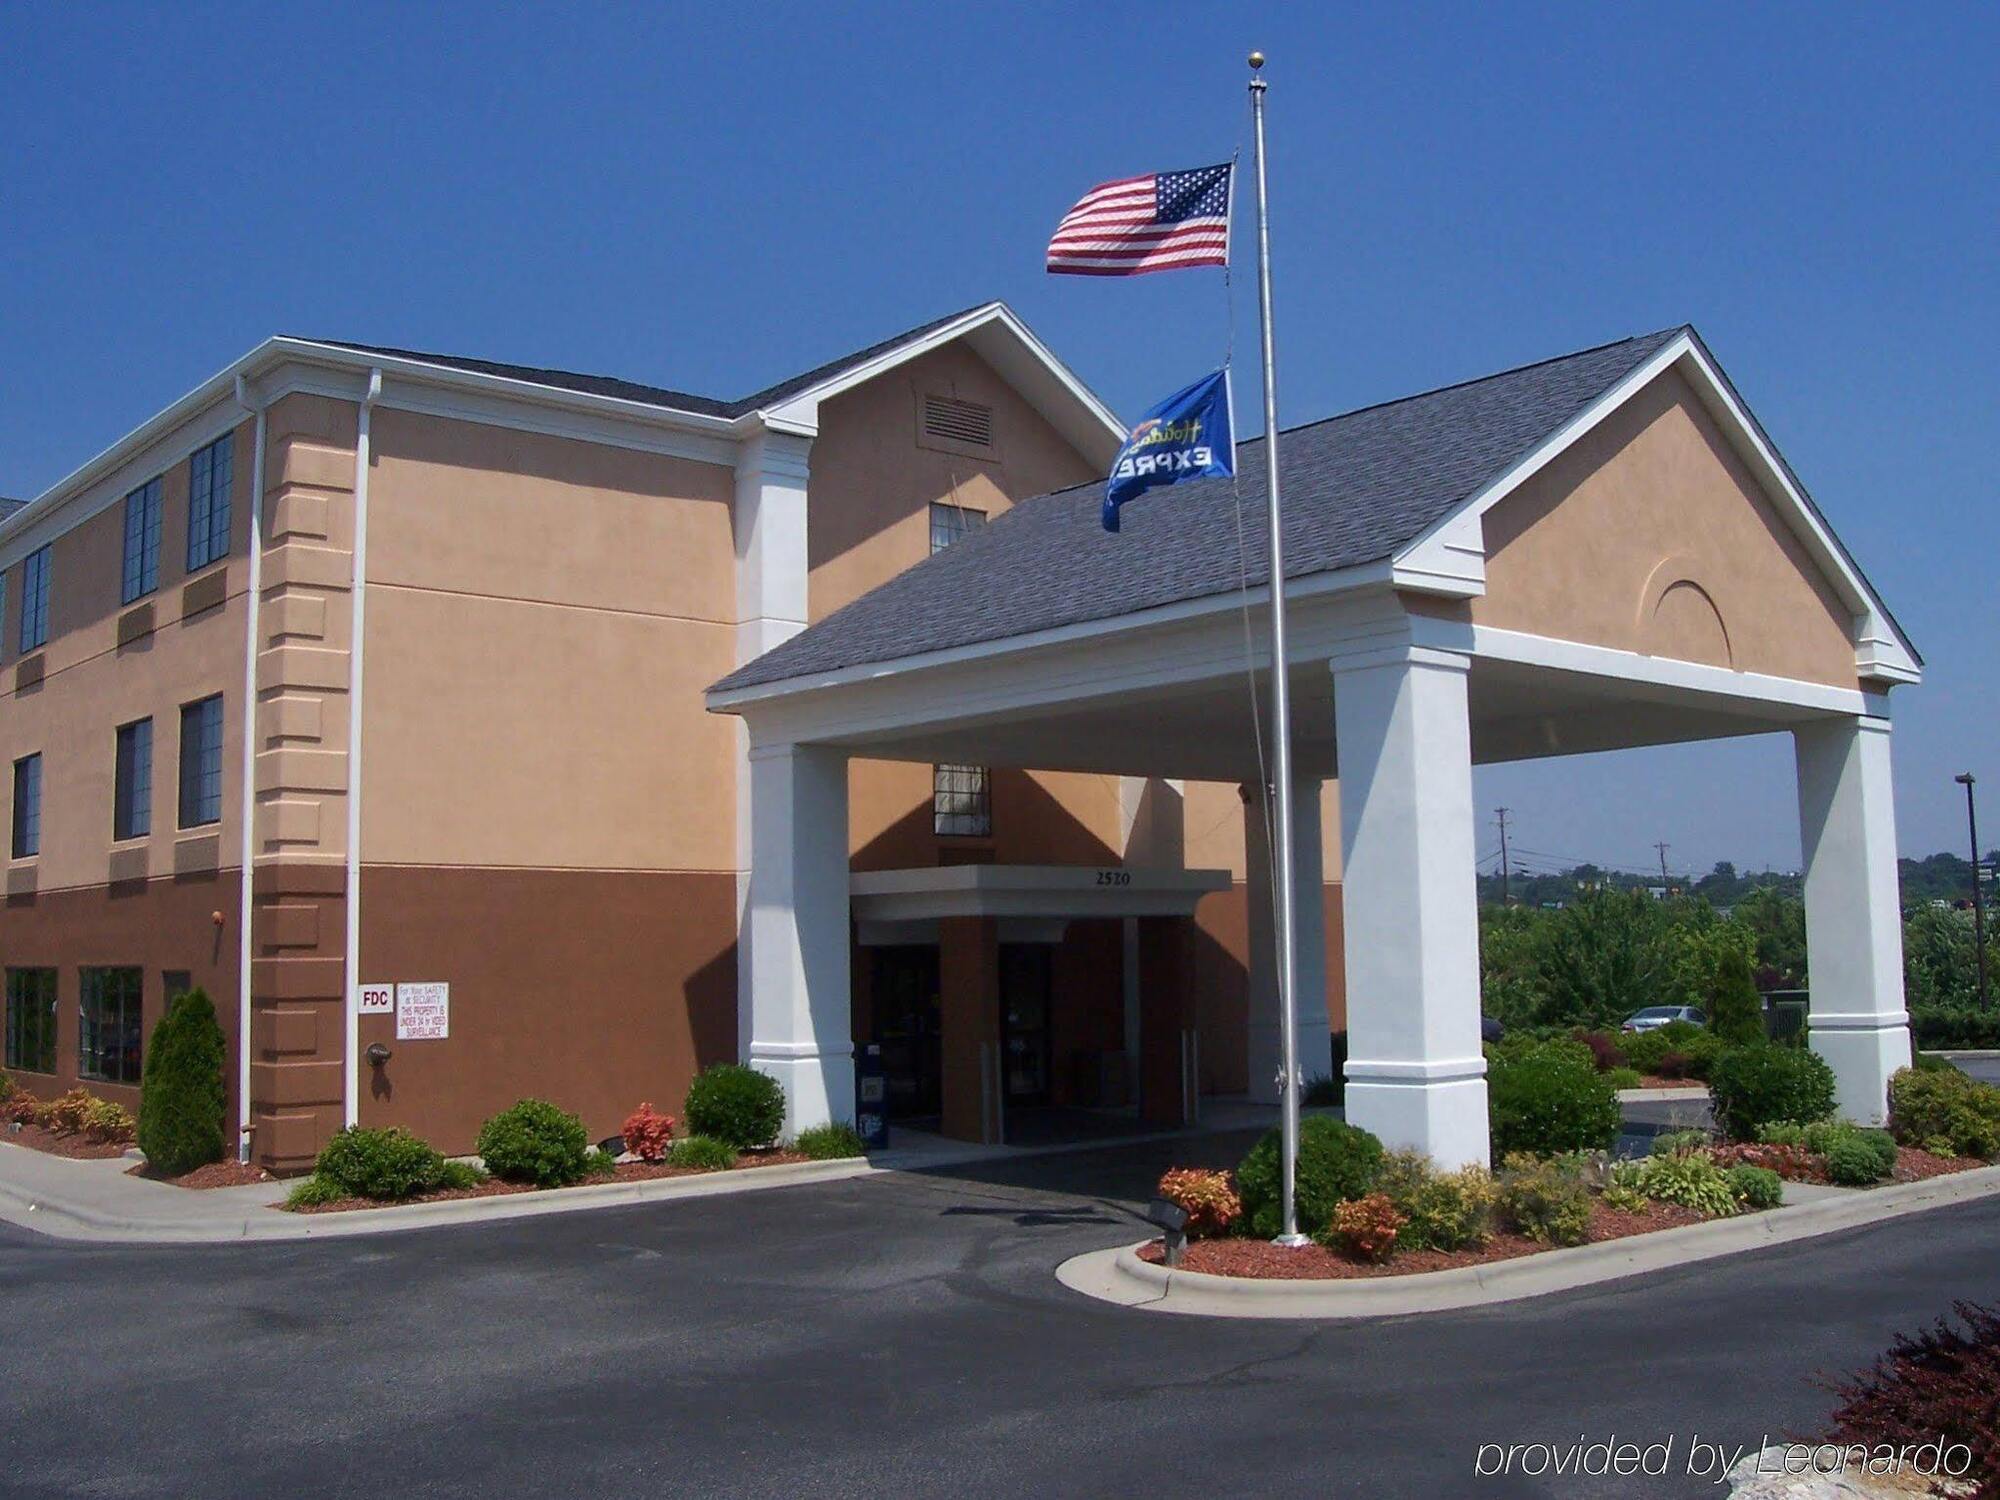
(1162, 222)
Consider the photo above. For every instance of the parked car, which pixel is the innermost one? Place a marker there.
(1653, 1017)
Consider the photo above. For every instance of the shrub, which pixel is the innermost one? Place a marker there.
(383, 1164)
(1954, 1026)
(830, 1142)
(1208, 1197)
(1757, 1086)
(1926, 1107)
(181, 1097)
(1930, 1062)
(736, 1104)
(1677, 1142)
(1366, 1226)
(598, 1162)
(1625, 1078)
(648, 1133)
(1755, 1187)
(314, 1191)
(106, 1123)
(6, 1086)
(1689, 1179)
(1735, 1009)
(460, 1175)
(1442, 1210)
(704, 1153)
(1604, 1049)
(20, 1108)
(1939, 1385)
(534, 1141)
(1851, 1163)
(1675, 1050)
(1549, 1098)
(1545, 1201)
(1323, 1091)
(1337, 1162)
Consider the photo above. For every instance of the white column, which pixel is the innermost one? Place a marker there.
(768, 523)
(1315, 1034)
(1854, 920)
(795, 960)
(1415, 1074)
(1265, 1044)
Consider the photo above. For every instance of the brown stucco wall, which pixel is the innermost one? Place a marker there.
(1650, 534)
(596, 990)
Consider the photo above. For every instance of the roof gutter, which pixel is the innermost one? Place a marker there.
(356, 658)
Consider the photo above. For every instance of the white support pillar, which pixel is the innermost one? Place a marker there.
(1265, 1046)
(1854, 920)
(1415, 1074)
(795, 960)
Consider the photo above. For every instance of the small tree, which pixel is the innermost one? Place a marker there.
(181, 1096)
(1736, 1010)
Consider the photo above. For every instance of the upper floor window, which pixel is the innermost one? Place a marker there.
(28, 806)
(132, 792)
(35, 597)
(142, 542)
(962, 801)
(209, 474)
(950, 522)
(201, 762)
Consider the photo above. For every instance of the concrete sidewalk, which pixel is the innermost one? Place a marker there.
(97, 1200)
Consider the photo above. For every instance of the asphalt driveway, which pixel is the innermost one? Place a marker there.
(884, 1336)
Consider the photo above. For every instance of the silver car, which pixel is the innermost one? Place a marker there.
(1653, 1017)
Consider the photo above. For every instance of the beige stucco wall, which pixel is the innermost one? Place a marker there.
(1650, 534)
(543, 616)
(89, 685)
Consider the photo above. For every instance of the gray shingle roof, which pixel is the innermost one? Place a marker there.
(1357, 488)
(654, 395)
(9, 506)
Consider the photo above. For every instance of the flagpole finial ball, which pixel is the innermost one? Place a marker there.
(1256, 59)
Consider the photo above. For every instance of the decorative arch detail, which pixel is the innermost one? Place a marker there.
(1679, 616)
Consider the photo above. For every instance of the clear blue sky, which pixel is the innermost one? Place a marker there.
(670, 194)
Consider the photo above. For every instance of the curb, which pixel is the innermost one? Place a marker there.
(1965, 1054)
(1662, 1096)
(1118, 1275)
(72, 1221)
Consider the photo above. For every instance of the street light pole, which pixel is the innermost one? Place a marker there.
(1964, 779)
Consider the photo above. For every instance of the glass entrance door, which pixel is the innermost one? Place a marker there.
(905, 981)
(1024, 1020)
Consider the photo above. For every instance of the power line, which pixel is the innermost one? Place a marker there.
(1504, 887)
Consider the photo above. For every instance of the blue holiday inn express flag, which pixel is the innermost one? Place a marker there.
(1187, 436)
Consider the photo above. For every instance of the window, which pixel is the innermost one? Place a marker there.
(31, 1020)
(961, 802)
(950, 522)
(28, 806)
(132, 794)
(174, 983)
(108, 1044)
(209, 474)
(142, 542)
(35, 599)
(201, 762)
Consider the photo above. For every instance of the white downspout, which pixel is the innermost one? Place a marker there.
(247, 813)
(354, 657)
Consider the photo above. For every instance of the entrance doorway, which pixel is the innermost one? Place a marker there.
(907, 1029)
(1024, 1020)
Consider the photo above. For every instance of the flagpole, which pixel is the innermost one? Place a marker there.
(1281, 711)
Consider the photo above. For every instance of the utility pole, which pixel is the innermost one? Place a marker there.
(1665, 879)
(1965, 779)
(1503, 855)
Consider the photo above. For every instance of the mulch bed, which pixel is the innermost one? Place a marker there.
(1656, 1081)
(217, 1174)
(1913, 1165)
(1260, 1258)
(631, 1171)
(75, 1147)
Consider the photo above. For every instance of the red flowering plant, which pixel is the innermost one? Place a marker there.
(1209, 1198)
(1367, 1226)
(648, 1133)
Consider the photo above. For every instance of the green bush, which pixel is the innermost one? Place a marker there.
(1954, 1027)
(533, 1141)
(181, 1097)
(460, 1175)
(1852, 1162)
(1549, 1097)
(704, 1153)
(313, 1191)
(1677, 1142)
(1923, 1062)
(736, 1104)
(1735, 1010)
(1756, 1187)
(1687, 1178)
(1544, 1200)
(1441, 1210)
(1650, 1051)
(1757, 1086)
(6, 1084)
(830, 1142)
(1337, 1163)
(1930, 1107)
(1323, 1091)
(1625, 1078)
(382, 1164)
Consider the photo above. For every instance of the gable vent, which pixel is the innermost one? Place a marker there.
(958, 421)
